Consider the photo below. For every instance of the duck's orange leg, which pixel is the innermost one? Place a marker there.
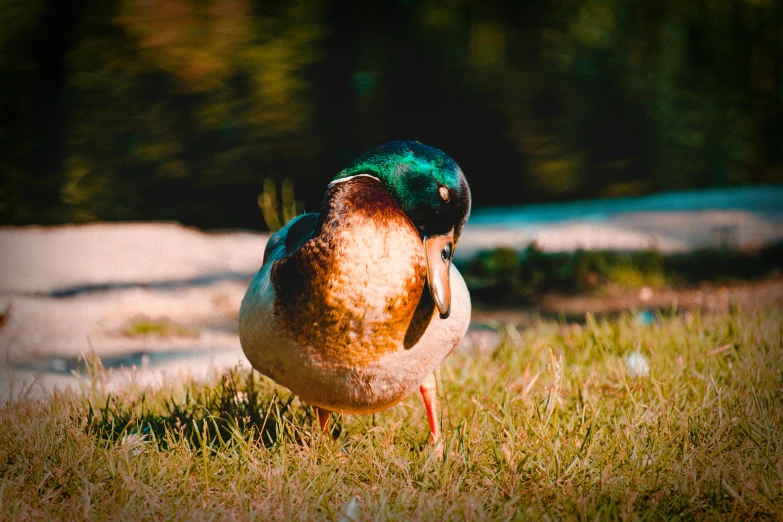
(429, 392)
(323, 418)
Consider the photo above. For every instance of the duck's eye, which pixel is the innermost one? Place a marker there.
(445, 254)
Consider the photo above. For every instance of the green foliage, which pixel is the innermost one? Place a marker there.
(504, 275)
(278, 211)
(169, 112)
(130, 110)
(551, 424)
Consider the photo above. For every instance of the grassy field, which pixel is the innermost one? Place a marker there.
(552, 425)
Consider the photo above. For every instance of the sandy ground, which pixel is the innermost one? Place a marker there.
(67, 259)
(72, 290)
(664, 231)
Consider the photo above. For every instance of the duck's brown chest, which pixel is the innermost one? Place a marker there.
(356, 283)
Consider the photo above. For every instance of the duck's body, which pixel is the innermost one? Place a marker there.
(341, 313)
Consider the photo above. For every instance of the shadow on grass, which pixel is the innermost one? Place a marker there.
(237, 407)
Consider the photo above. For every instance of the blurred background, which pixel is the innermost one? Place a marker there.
(623, 156)
(203, 111)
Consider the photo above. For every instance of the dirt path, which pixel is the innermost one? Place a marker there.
(707, 298)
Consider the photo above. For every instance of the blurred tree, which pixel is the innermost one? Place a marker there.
(180, 109)
(35, 37)
(201, 101)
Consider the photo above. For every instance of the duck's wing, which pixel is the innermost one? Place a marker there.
(289, 238)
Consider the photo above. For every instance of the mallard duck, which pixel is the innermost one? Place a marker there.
(357, 306)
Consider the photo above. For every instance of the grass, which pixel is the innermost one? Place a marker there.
(507, 276)
(144, 326)
(548, 426)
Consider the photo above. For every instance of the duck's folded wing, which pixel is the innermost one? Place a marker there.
(289, 238)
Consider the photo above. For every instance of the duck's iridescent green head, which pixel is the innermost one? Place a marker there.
(428, 184)
(432, 191)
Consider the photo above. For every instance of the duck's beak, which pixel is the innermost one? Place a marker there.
(438, 251)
